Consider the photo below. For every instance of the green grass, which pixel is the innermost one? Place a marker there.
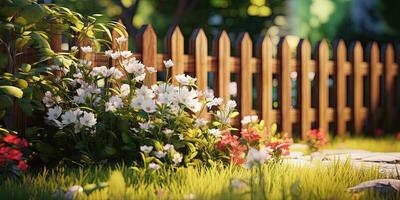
(388, 144)
(281, 182)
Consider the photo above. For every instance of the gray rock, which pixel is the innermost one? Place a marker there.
(382, 158)
(380, 185)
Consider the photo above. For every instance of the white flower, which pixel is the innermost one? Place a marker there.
(181, 137)
(164, 98)
(126, 54)
(215, 102)
(121, 39)
(216, 132)
(125, 90)
(115, 73)
(87, 49)
(145, 126)
(256, 156)
(88, 119)
(145, 92)
(209, 94)
(200, 122)
(233, 89)
(48, 99)
(146, 149)
(140, 77)
(160, 154)
(96, 71)
(108, 53)
(185, 79)
(231, 104)
(149, 106)
(168, 63)
(115, 55)
(177, 158)
(137, 102)
(74, 48)
(54, 67)
(135, 67)
(151, 70)
(68, 117)
(113, 103)
(168, 147)
(168, 131)
(54, 113)
(249, 119)
(154, 166)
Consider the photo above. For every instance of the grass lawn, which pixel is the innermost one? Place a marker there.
(283, 181)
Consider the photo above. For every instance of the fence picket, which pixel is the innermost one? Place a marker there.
(285, 86)
(264, 53)
(389, 74)
(356, 57)
(174, 43)
(244, 49)
(146, 42)
(304, 58)
(198, 49)
(322, 59)
(341, 91)
(373, 59)
(222, 51)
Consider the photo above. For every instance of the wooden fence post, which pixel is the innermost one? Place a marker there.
(115, 45)
(285, 86)
(322, 60)
(222, 51)
(304, 58)
(356, 57)
(341, 91)
(245, 95)
(147, 45)
(198, 49)
(264, 53)
(373, 59)
(174, 44)
(389, 74)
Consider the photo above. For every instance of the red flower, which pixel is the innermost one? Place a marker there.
(398, 136)
(318, 136)
(13, 139)
(22, 165)
(250, 135)
(14, 154)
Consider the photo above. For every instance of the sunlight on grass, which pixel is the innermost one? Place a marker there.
(388, 144)
(281, 182)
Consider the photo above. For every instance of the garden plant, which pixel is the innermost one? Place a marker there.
(103, 132)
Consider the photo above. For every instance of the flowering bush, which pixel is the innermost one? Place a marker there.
(100, 113)
(315, 140)
(252, 144)
(12, 160)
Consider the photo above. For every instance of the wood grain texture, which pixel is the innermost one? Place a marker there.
(322, 60)
(356, 58)
(174, 45)
(146, 42)
(304, 58)
(285, 86)
(340, 55)
(373, 60)
(222, 52)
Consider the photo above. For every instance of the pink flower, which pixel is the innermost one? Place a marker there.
(378, 132)
(22, 165)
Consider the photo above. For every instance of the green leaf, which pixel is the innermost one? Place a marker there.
(26, 67)
(5, 102)
(25, 105)
(234, 114)
(12, 91)
(30, 14)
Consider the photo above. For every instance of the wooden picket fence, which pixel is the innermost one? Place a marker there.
(365, 95)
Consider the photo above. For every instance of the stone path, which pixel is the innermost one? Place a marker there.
(385, 161)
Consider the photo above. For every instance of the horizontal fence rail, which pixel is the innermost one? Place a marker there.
(357, 90)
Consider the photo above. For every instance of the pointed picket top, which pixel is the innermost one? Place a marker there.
(388, 53)
(146, 34)
(339, 49)
(197, 37)
(222, 51)
(283, 47)
(147, 45)
(264, 43)
(174, 44)
(243, 41)
(355, 50)
(303, 47)
(372, 52)
(323, 49)
(116, 34)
